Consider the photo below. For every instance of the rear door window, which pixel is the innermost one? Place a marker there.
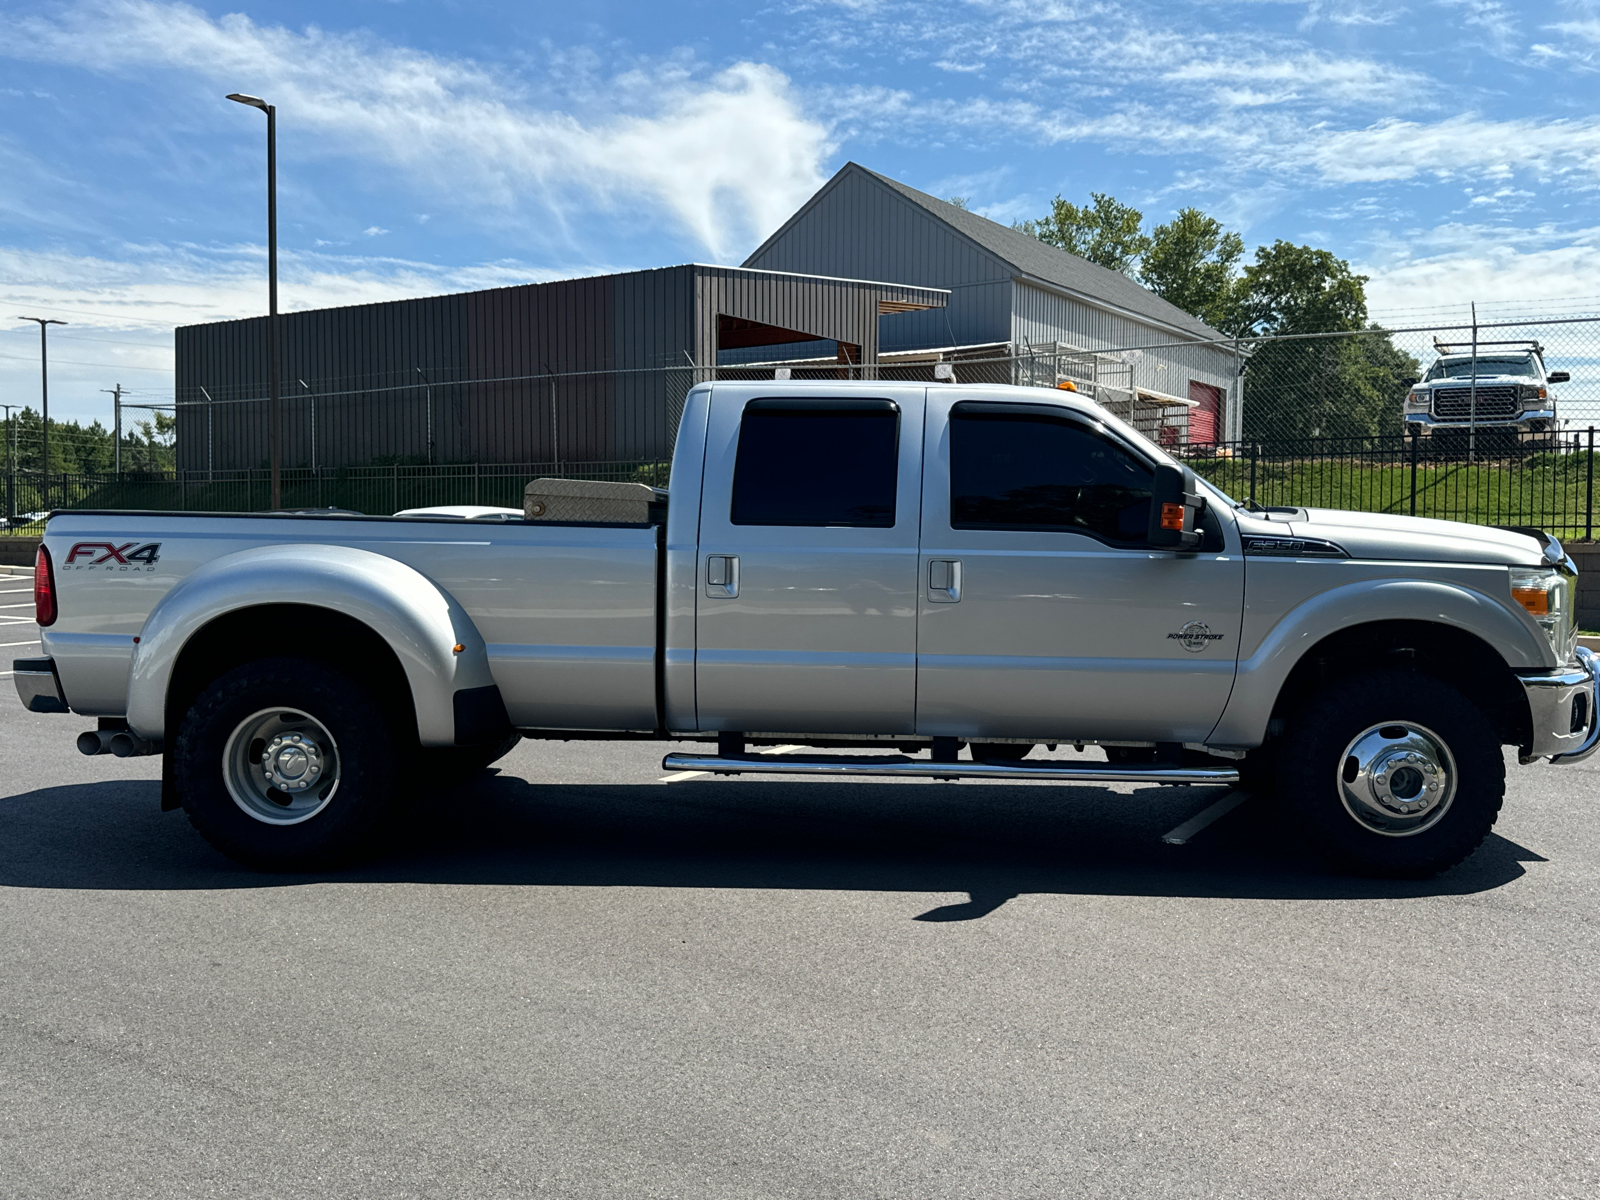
(1024, 467)
(818, 463)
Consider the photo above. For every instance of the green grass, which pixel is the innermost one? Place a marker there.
(1550, 491)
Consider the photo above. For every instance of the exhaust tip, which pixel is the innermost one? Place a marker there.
(125, 745)
(92, 742)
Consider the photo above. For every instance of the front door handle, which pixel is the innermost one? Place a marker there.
(944, 580)
(722, 576)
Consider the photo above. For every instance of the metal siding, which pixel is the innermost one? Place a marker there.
(1043, 317)
(490, 357)
(859, 229)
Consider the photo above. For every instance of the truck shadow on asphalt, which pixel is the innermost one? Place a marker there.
(992, 843)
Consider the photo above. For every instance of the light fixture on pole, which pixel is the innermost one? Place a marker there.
(274, 407)
(44, 403)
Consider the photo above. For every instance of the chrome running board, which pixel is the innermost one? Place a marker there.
(884, 765)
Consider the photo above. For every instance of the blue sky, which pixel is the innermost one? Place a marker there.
(1448, 148)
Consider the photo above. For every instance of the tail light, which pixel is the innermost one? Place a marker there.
(44, 588)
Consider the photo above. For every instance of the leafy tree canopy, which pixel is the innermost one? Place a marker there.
(1191, 262)
(1296, 289)
(1105, 231)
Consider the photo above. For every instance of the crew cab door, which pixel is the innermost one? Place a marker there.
(1044, 613)
(806, 591)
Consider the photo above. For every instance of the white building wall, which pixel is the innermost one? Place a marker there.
(1040, 317)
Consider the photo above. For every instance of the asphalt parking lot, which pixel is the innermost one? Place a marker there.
(571, 978)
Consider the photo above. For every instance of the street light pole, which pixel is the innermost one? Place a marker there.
(44, 401)
(274, 406)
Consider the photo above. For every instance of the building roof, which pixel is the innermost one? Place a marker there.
(1029, 256)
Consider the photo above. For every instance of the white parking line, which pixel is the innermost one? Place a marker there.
(14, 591)
(27, 605)
(677, 775)
(1205, 817)
(35, 642)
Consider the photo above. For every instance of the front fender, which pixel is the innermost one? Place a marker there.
(419, 621)
(1261, 677)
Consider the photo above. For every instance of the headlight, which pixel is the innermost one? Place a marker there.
(1530, 391)
(1417, 400)
(1546, 593)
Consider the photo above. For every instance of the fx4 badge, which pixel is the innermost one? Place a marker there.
(88, 555)
(1194, 636)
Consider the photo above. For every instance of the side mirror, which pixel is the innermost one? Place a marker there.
(1175, 508)
(1557, 377)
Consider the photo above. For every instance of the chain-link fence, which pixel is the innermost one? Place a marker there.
(1469, 421)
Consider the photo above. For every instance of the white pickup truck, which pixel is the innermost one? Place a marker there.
(920, 570)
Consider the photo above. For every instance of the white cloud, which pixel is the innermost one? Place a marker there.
(1521, 270)
(1457, 146)
(729, 155)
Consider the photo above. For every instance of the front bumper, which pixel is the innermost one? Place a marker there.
(1523, 418)
(1560, 700)
(38, 685)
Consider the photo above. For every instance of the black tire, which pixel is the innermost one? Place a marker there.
(454, 764)
(1314, 774)
(369, 747)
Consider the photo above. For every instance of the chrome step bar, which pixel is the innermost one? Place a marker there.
(885, 765)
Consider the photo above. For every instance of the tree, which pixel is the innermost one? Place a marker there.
(1190, 262)
(1296, 289)
(960, 202)
(1306, 387)
(1105, 231)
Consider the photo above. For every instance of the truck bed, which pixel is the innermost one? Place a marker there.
(569, 611)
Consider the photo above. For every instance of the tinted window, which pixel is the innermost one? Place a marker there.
(1016, 471)
(816, 463)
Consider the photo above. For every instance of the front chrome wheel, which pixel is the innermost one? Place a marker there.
(281, 766)
(1397, 779)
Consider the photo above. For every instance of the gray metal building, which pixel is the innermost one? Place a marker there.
(581, 370)
(1016, 294)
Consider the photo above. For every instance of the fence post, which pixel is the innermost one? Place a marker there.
(477, 473)
(1588, 501)
(1415, 442)
(394, 488)
(1255, 448)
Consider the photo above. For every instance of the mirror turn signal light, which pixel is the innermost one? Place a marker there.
(1172, 516)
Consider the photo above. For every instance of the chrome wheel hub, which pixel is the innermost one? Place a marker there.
(281, 766)
(1397, 779)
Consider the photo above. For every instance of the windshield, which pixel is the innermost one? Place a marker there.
(1498, 364)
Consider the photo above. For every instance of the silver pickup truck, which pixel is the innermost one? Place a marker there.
(916, 570)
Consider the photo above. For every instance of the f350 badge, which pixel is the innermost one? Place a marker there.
(1194, 636)
(85, 556)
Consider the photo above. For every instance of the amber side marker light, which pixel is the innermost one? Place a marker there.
(44, 588)
(1172, 516)
(1536, 600)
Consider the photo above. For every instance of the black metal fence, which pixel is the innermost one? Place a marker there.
(1489, 477)
(1494, 477)
(374, 490)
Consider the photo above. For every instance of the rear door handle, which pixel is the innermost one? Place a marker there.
(944, 581)
(722, 576)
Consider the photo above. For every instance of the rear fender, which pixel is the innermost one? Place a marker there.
(419, 621)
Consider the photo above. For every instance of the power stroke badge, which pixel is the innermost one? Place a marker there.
(1194, 636)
